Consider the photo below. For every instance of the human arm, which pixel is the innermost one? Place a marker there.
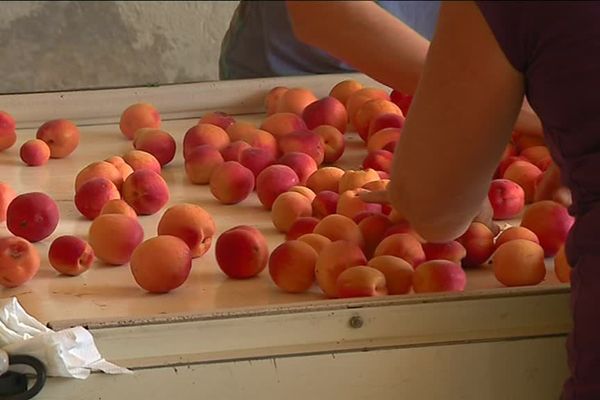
(456, 132)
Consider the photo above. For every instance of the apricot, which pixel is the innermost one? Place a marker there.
(402, 245)
(361, 281)
(61, 136)
(325, 178)
(256, 159)
(19, 261)
(516, 232)
(137, 116)
(32, 216)
(8, 136)
(295, 100)
(355, 179)
(378, 160)
(370, 110)
(350, 204)
(242, 252)
(124, 169)
(507, 198)
(7, 194)
(303, 190)
(336, 257)
(272, 99)
(272, 181)
(91, 197)
(361, 96)
(333, 141)
(562, 269)
(201, 162)
(478, 240)
(263, 140)
(34, 152)
(233, 151)
(384, 139)
(231, 182)
(218, 118)
(344, 89)
(287, 208)
(398, 273)
(325, 203)
(204, 134)
(280, 124)
(138, 159)
(401, 100)
(326, 111)
(145, 191)
(519, 262)
(240, 130)
(301, 226)
(373, 229)
(118, 206)
(451, 251)
(99, 169)
(292, 266)
(156, 142)
(70, 255)
(303, 141)
(339, 227)
(550, 221)
(538, 156)
(314, 240)
(524, 141)
(439, 276)
(303, 164)
(192, 224)
(525, 174)
(113, 237)
(385, 120)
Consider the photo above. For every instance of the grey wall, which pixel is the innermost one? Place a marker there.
(63, 45)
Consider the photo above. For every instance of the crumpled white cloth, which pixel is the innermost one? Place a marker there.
(69, 353)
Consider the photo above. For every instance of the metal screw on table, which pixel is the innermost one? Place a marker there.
(356, 322)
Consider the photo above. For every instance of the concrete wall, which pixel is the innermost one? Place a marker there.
(62, 45)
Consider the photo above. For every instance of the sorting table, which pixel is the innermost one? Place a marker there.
(220, 338)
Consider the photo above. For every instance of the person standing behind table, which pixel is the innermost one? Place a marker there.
(455, 134)
(260, 41)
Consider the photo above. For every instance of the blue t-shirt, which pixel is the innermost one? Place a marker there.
(260, 41)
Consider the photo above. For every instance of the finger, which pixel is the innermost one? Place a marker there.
(379, 196)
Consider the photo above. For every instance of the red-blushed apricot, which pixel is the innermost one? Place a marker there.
(256, 159)
(70, 255)
(439, 276)
(303, 190)
(240, 130)
(324, 203)
(373, 229)
(301, 226)
(19, 261)
(398, 273)
(231, 182)
(272, 181)
(451, 251)
(386, 120)
(507, 198)
(344, 89)
(242, 252)
(325, 178)
(538, 156)
(333, 142)
(370, 110)
(401, 100)
(137, 116)
(34, 152)
(156, 142)
(61, 136)
(91, 197)
(280, 124)
(8, 135)
(295, 100)
(272, 99)
(192, 224)
(333, 259)
(361, 96)
(525, 174)
(361, 281)
(384, 139)
(303, 141)
(124, 169)
(504, 164)
(350, 204)
(161, 264)
(99, 169)
(292, 266)
(550, 221)
(218, 118)
(263, 140)
(516, 232)
(233, 151)
(378, 160)
(32, 216)
(478, 240)
(303, 164)
(145, 191)
(402, 245)
(7, 194)
(118, 206)
(355, 179)
(339, 227)
(204, 134)
(201, 162)
(519, 262)
(314, 240)
(562, 269)
(402, 226)
(113, 237)
(287, 208)
(326, 111)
